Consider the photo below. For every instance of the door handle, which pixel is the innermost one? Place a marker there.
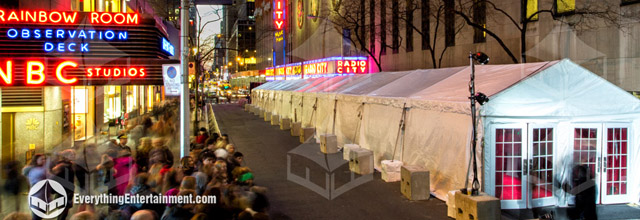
(525, 166)
(604, 164)
(531, 167)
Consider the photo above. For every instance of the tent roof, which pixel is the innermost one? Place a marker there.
(563, 89)
(490, 79)
(414, 81)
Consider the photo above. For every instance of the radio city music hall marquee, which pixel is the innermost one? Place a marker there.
(70, 48)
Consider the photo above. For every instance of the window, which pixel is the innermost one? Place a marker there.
(542, 167)
(424, 25)
(479, 17)
(616, 161)
(449, 23)
(383, 27)
(395, 30)
(409, 27)
(565, 6)
(508, 163)
(628, 2)
(372, 26)
(585, 148)
(529, 7)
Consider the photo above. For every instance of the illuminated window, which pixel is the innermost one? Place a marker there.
(479, 17)
(530, 8)
(565, 6)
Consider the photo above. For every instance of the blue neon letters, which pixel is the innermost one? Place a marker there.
(66, 35)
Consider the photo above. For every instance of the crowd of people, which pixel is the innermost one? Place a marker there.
(142, 161)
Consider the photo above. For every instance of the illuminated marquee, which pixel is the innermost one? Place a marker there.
(68, 17)
(278, 14)
(316, 68)
(352, 66)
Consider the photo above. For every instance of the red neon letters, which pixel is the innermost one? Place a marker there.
(110, 18)
(116, 72)
(56, 17)
(53, 17)
(278, 13)
(352, 66)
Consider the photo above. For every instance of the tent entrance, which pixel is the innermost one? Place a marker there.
(606, 155)
(523, 161)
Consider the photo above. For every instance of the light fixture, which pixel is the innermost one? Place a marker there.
(481, 58)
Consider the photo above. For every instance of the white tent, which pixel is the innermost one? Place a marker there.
(541, 120)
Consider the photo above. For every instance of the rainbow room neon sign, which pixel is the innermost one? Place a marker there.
(279, 13)
(35, 72)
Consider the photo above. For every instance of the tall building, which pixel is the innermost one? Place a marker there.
(238, 32)
(403, 35)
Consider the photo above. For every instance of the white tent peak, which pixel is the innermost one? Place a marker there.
(564, 89)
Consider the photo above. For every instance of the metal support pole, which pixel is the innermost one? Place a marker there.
(185, 111)
(475, 185)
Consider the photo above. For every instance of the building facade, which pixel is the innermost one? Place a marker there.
(407, 35)
(65, 86)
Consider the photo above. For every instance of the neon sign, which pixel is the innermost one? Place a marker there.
(36, 72)
(278, 14)
(115, 72)
(56, 17)
(316, 68)
(352, 66)
(167, 46)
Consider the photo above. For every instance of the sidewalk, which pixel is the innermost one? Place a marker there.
(266, 150)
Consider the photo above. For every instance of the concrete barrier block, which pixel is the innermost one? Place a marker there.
(414, 182)
(346, 150)
(260, 112)
(361, 161)
(285, 123)
(295, 128)
(275, 119)
(451, 204)
(306, 133)
(390, 170)
(329, 143)
(247, 107)
(267, 116)
(478, 207)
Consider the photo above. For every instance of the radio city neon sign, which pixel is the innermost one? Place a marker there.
(351, 66)
(56, 17)
(278, 14)
(35, 72)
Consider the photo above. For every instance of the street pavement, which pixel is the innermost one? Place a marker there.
(266, 149)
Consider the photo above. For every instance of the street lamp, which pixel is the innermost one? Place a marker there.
(481, 59)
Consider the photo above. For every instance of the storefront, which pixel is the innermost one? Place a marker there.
(68, 78)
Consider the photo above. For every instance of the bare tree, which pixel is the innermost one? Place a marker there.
(353, 15)
(435, 10)
(587, 15)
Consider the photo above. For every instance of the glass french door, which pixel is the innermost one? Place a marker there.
(523, 176)
(603, 148)
(614, 165)
(509, 173)
(540, 161)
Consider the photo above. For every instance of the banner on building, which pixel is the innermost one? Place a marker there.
(171, 76)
